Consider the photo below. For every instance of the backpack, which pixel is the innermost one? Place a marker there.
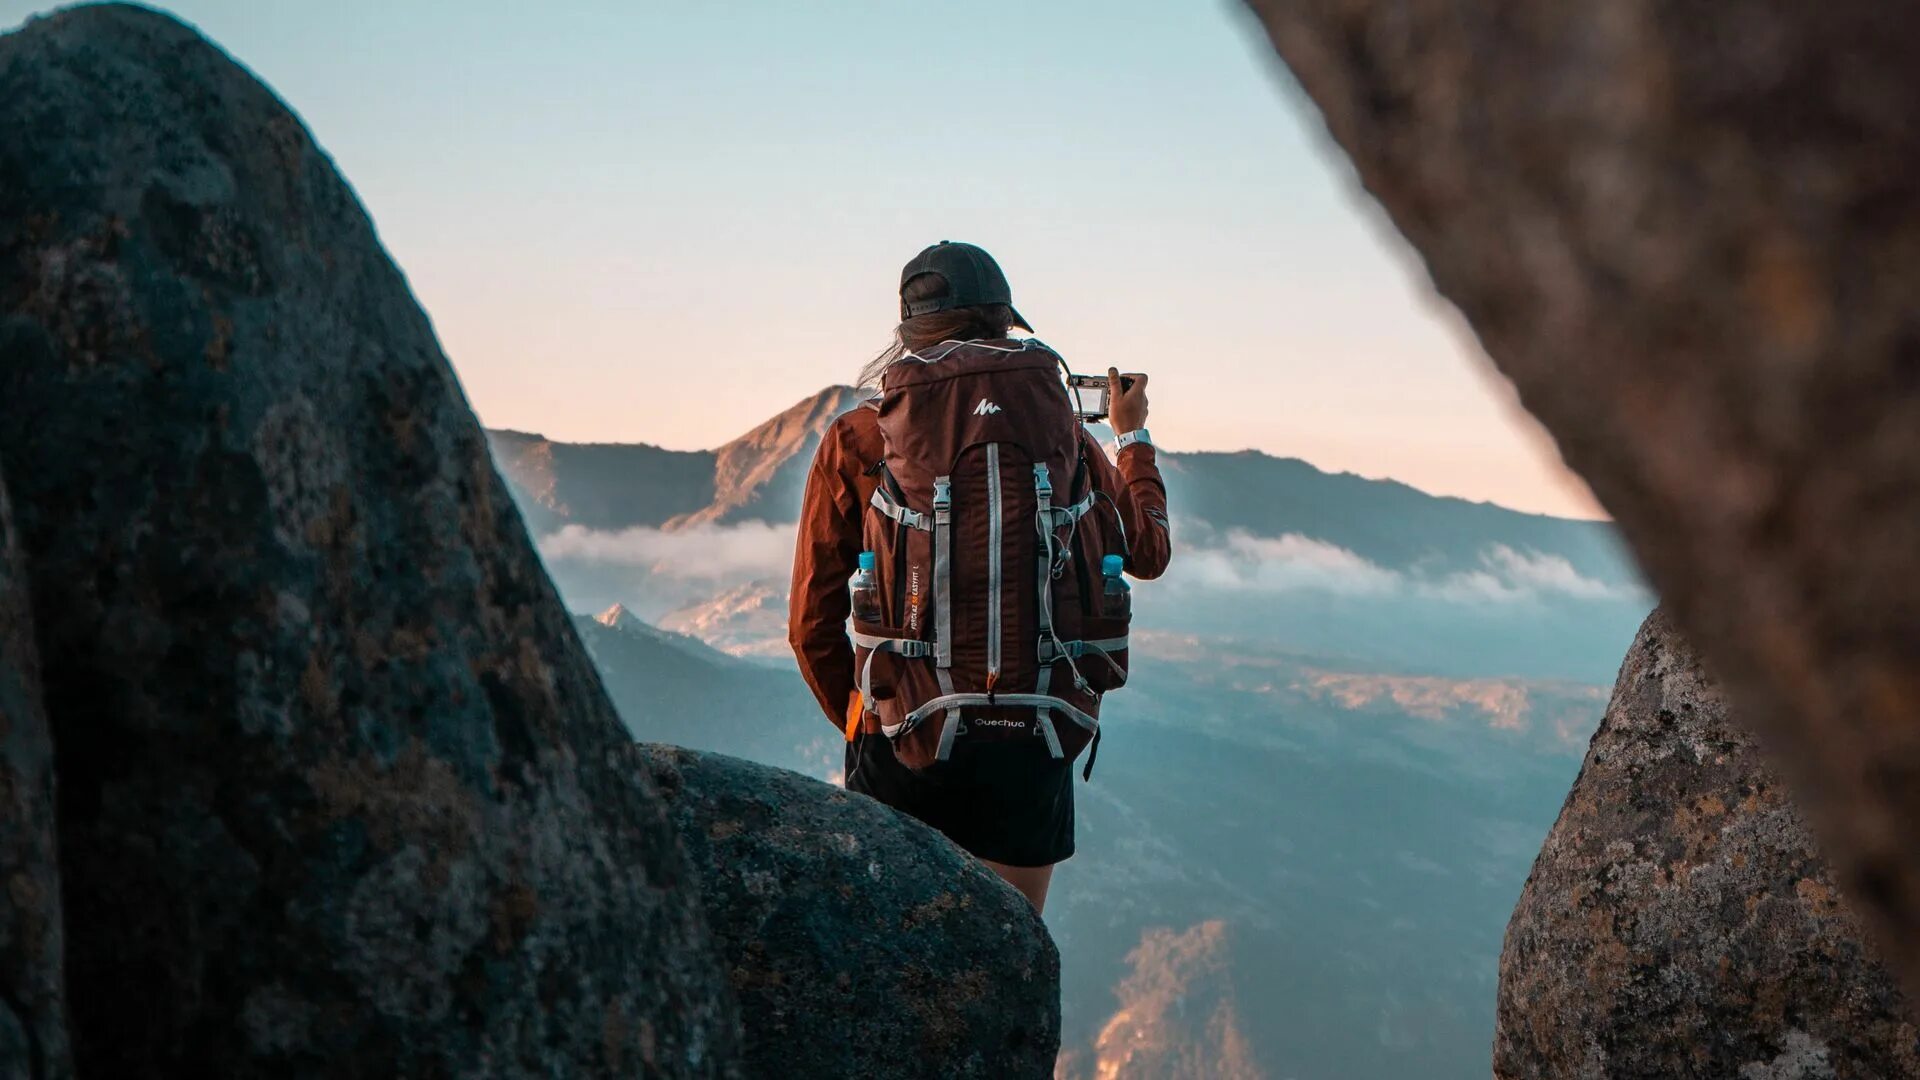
(988, 546)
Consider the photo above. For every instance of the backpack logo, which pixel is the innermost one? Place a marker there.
(985, 408)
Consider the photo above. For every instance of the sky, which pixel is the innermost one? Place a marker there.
(650, 221)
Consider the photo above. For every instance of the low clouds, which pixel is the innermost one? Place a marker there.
(1548, 573)
(722, 553)
(1232, 561)
(1239, 562)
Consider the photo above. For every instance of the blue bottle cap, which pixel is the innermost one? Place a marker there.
(1112, 565)
(867, 561)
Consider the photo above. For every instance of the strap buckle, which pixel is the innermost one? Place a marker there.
(1051, 653)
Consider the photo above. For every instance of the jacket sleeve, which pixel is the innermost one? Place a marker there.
(1141, 499)
(824, 557)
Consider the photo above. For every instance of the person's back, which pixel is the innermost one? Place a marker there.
(995, 529)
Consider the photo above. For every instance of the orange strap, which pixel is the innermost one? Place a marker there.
(854, 711)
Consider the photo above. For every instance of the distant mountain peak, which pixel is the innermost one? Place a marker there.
(749, 619)
(617, 617)
(747, 470)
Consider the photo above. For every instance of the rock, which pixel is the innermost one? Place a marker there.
(339, 790)
(33, 1031)
(1689, 233)
(860, 942)
(1679, 921)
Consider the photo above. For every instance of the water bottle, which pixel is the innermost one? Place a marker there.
(866, 591)
(1117, 601)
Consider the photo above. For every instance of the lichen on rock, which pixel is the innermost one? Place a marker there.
(1679, 921)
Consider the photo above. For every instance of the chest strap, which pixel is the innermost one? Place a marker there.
(912, 519)
(1050, 652)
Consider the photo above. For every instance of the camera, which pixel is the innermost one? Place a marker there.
(1089, 394)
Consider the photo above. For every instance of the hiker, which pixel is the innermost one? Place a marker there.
(977, 534)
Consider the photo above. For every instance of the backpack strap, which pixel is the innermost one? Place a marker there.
(1081, 483)
(959, 701)
(1078, 510)
(1101, 648)
(910, 648)
(943, 610)
(912, 519)
(1042, 714)
(1049, 651)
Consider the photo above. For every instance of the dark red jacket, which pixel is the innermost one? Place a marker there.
(838, 487)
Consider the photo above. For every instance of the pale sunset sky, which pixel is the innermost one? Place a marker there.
(642, 221)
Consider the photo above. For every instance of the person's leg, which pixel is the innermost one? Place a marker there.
(1032, 881)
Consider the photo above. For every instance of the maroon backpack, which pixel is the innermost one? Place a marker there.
(988, 536)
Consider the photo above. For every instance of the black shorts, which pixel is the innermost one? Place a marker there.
(1010, 803)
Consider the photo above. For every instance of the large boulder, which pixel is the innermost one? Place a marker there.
(339, 790)
(1679, 921)
(33, 1031)
(1689, 231)
(859, 941)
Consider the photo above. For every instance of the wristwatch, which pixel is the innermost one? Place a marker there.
(1138, 435)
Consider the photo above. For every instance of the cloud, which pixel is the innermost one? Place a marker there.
(724, 553)
(1547, 573)
(1237, 561)
(1243, 562)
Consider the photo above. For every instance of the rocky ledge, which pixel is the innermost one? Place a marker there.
(858, 941)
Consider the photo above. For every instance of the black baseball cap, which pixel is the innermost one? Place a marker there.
(972, 278)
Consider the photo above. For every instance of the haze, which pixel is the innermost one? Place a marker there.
(664, 222)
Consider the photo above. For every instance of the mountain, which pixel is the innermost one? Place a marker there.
(672, 688)
(601, 485)
(756, 477)
(760, 475)
(748, 620)
(1385, 522)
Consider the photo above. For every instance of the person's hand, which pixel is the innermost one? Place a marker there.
(1127, 408)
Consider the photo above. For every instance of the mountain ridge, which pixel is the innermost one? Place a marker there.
(510, 437)
(760, 476)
